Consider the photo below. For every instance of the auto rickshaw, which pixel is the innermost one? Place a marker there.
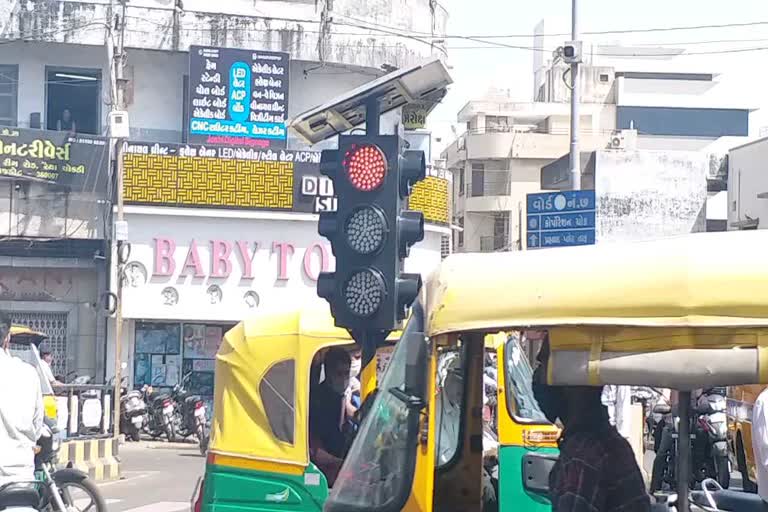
(25, 344)
(258, 456)
(521, 426)
(680, 313)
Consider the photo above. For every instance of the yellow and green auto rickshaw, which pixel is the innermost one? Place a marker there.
(680, 313)
(25, 344)
(258, 457)
(521, 427)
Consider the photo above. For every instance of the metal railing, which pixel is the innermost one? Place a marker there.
(85, 411)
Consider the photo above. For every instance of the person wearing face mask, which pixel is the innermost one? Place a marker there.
(596, 470)
(328, 414)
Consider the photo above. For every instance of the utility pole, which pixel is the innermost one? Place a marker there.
(575, 159)
(118, 104)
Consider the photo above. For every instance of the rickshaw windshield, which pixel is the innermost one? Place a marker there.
(520, 400)
(377, 472)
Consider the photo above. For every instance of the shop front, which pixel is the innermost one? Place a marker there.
(193, 274)
(217, 233)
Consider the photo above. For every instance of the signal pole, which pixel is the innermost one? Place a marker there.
(369, 341)
(575, 159)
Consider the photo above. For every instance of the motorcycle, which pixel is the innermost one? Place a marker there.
(710, 453)
(190, 414)
(160, 415)
(52, 490)
(133, 413)
(708, 442)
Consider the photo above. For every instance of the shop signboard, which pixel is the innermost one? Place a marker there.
(238, 97)
(75, 162)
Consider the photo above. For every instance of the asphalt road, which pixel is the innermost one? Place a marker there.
(157, 477)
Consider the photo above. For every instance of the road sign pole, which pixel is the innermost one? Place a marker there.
(575, 159)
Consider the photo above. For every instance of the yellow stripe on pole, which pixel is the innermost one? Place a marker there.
(368, 375)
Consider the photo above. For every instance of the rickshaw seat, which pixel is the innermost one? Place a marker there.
(731, 501)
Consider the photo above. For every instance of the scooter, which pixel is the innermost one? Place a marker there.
(133, 413)
(713, 498)
(711, 445)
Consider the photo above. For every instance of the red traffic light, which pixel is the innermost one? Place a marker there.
(366, 167)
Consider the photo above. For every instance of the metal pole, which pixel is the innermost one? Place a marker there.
(118, 103)
(575, 160)
(683, 470)
(372, 116)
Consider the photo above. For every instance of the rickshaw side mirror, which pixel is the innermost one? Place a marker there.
(536, 469)
(415, 374)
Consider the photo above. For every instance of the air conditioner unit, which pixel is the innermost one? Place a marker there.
(625, 140)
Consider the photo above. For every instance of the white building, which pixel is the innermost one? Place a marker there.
(54, 57)
(748, 186)
(633, 98)
(499, 159)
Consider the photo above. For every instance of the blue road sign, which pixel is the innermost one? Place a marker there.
(559, 219)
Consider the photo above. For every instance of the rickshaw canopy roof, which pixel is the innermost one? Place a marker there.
(607, 304)
(22, 334)
(710, 279)
(261, 389)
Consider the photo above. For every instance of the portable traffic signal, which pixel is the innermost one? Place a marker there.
(370, 232)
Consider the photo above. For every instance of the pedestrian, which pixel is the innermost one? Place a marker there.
(618, 402)
(66, 123)
(46, 360)
(760, 442)
(21, 412)
(596, 470)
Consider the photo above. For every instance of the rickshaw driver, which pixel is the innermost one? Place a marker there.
(328, 415)
(596, 470)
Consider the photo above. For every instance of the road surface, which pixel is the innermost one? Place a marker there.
(157, 477)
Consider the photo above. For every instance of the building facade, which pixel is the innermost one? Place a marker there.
(632, 99)
(54, 251)
(185, 199)
(499, 159)
(748, 186)
(228, 237)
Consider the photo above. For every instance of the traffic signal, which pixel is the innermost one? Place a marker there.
(371, 232)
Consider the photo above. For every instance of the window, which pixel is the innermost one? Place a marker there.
(604, 77)
(461, 233)
(9, 80)
(497, 123)
(520, 400)
(77, 90)
(277, 394)
(449, 405)
(478, 180)
(462, 183)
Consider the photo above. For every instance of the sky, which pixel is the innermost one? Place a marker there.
(474, 71)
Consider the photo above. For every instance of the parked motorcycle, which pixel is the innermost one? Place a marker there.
(133, 413)
(710, 449)
(708, 442)
(190, 414)
(160, 411)
(53, 490)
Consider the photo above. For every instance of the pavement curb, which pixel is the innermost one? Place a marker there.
(98, 458)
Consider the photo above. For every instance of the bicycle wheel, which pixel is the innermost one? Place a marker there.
(82, 496)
